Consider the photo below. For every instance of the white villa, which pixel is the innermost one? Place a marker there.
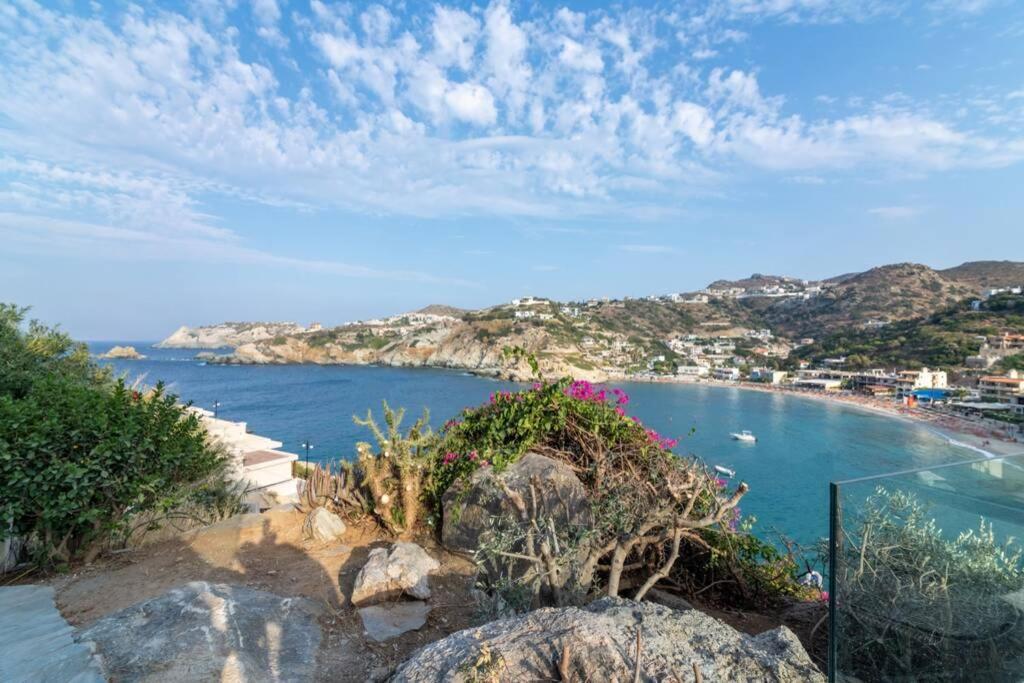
(255, 459)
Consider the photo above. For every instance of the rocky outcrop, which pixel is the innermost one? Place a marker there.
(443, 343)
(227, 335)
(470, 508)
(210, 632)
(599, 643)
(390, 573)
(323, 526)
(122, 352)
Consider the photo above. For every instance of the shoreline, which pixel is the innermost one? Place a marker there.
(954, 430)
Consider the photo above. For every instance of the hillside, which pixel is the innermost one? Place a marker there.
(226, 335)
(601, 338)
(884, 294)
(987, 274)
(944, 339)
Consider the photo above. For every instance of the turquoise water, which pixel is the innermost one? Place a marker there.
(802, 444)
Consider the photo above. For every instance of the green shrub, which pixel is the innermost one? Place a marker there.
(84, 458)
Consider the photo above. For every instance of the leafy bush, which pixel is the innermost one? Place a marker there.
(917, 605)
(84, 458)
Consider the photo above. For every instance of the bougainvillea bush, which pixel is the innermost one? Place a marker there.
(649, 505)
(85, 459)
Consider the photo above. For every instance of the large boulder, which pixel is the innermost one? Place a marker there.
(471, 507)
(390, 573)
(210, 632)
(601, 642)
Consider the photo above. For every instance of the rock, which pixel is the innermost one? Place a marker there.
(323, 525)
(383, 622)
(124, 352)
(668, 599)
(601, 641)
(389, 574)
(470, 507)
(210, 632)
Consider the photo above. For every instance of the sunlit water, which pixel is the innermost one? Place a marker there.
(802, 444)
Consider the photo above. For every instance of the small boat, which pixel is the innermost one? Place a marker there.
(725, 471)
(745, 435)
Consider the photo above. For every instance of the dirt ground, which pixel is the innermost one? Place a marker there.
(267, 552)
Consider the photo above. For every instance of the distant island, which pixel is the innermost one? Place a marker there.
(122, 353)
(902, 315)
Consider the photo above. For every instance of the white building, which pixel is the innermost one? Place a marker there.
(1002, 388)
(254, 459)
(767, 375)
(730, 374)
(692, 371)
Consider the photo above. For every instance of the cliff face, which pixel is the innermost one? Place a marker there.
(227, 335)
(453, 345)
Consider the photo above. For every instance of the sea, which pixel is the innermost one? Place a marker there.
(802, 444)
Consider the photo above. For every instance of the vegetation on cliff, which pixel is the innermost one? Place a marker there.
(943, 339)
(85, 459)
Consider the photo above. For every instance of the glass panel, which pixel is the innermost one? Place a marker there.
(926, 574)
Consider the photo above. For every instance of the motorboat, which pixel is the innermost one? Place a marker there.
(745, 435)
(725, 471)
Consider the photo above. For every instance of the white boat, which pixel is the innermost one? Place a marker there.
(725, 471)
(745, 435)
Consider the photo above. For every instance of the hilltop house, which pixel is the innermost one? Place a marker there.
(1001, 388)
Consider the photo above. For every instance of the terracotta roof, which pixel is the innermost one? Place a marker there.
(1003, 380)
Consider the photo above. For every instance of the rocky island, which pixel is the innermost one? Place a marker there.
(122, 353)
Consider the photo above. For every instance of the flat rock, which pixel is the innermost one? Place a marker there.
(383, 622)
(601, 641)
(210, 632)
(390, 573)
(323, 526)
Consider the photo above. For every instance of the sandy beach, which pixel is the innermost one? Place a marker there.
(984, 439)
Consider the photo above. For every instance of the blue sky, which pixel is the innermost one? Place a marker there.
(165, 164)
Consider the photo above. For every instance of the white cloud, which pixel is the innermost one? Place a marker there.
(581, 57)
(647, 248)
(472, 103)
(896, 212)
(506, 52)
(455, 33)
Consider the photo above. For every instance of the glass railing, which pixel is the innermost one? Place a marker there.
(926, 576)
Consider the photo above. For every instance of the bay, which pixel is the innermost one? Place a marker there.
(803, 444)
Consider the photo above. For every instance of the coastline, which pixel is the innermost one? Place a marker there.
(954, 430)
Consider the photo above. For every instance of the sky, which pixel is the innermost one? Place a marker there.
(181, 163)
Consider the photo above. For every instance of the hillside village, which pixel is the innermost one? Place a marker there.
(888, 331)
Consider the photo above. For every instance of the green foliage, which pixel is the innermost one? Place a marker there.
(944, 339)
(1014, 362)
(83, 457)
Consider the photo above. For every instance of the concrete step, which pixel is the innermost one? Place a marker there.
(37, 645)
